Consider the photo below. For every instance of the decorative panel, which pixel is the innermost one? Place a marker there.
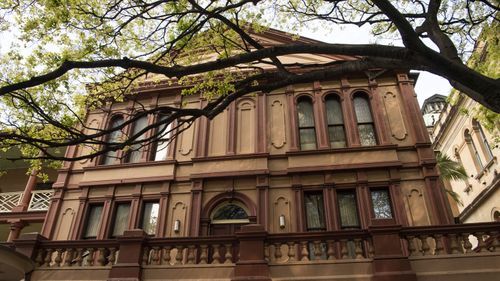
(277, 124)
(417, 210)
(218, 135)
(245, 137)
(395, 116)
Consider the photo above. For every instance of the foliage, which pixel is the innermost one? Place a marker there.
(72, 57)
(450, 170)
(486, 60)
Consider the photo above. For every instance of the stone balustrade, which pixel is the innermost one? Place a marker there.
(315, 246)
(452, 239)
(200, 250)
(406, 253)
(83, 253)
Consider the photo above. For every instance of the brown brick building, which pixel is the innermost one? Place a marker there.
(332, 180)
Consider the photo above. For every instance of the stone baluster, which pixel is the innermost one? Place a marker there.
(495, 244)
(454, 243)
(178, 255)
(330, 252)
(215, 255)
(439, 244)
(358, 249)
(229, 253)
(304, 252)
(166, 255)
(481, 245)
(411, 246)
(317, 250)
(467, 245)
(266, 252)
(112, 256)
(145, 256)
(277, 251)
(39, 258)
(79, 256)
(155, 259)
(343, 249)
(203, 254)
(102, 257)
(426, 249)
(371, 251)
(48, 257)
(191, 256)
(90, 257)
(58, 258)
(291, 251)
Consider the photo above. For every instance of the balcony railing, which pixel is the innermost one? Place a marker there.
(9, 200)
(39, 201)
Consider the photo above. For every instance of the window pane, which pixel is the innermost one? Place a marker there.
(150, 217)
(164, 140)
(121, 219)
(337, 136)
(93, 221)
(307, 139)
(381, 204)
(115, 136)
(333, 112)
(305, 113)
(315, 212)
(367, 134)
(348, 209)
(136, 149)
(362, 108)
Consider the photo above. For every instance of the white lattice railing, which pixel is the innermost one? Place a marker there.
(9, 200)
(40, 200)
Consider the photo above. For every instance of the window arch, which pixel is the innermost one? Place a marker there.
(136, 150)
(483, 141)
(111, 156)
(335, 121)
(473, 149)
(307, 131)
(366, 127)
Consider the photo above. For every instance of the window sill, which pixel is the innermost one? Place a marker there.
(138, 164)
(343, 149)
(486, 169)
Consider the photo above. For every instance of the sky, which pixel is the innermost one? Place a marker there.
(427, 85)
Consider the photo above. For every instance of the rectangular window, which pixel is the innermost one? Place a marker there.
(348, 209)
(315, 211)
(121, 219)
(93, 221)
(149, 220)
(381, 203)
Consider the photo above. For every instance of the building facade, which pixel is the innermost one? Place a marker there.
(329, 180)
(464, 139)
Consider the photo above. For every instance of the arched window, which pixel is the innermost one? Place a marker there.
(163, 134)
(111, 156)
(473, 149)
(136, 150)
(364, 120)
(229, 212)
(307, 132)
(335, 120)
(484, 142)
